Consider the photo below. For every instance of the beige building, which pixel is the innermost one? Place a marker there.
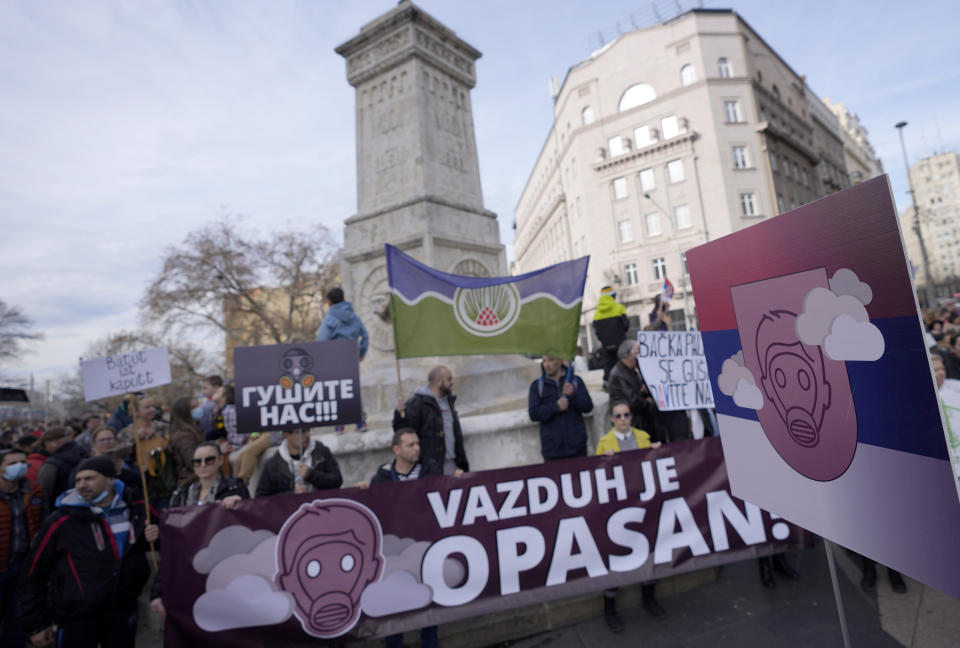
(936, 180)
(861, 161)
(666, 138)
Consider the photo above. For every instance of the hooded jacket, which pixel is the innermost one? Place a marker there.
(610, 321)
(341, 322)
(562, 433)
(277, 477)
(77, 564)
(422, 413)
(54, 474)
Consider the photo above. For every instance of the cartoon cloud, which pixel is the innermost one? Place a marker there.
(328, 551)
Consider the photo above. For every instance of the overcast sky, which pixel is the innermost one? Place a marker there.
(125, 125)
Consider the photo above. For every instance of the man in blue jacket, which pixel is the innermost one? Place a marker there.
(340, 323)
(559, 407)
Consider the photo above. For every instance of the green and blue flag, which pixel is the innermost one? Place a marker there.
(436, 313)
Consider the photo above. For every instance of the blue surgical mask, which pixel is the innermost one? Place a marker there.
(15, 472)
(102, 496)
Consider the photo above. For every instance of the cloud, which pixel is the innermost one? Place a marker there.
(732, 371)
(853, 340)
(262, 561)
(228, 541)
(398, 592)
(846, 282)
(246, 602)
(748, 395)
(820, 308)
(410, 559)
(393, 545)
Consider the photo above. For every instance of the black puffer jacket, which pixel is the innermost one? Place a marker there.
(74, 565)
(276, 478)
(54, 474)
(228, 486)
(385, 473)
(422, 413)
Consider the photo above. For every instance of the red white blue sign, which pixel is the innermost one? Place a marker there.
(824, 392)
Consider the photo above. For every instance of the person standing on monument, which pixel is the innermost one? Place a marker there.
(341, 323)
(610, 323)
(430, 411)
(558, 406)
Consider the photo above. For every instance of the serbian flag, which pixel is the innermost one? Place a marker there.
(667, 291)
(436, 313)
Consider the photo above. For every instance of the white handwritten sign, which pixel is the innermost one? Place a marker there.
(124, 373)
(674, 369)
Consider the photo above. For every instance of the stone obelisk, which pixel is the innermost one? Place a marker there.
(418, 178)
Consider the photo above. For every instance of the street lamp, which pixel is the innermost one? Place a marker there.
(927, 279)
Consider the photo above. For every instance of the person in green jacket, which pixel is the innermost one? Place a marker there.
(620, 438)
(610, 323)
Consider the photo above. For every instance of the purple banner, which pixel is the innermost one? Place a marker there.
(306, 384)
(292, 569)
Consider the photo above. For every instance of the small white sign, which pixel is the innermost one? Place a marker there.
(674, 369)
(124, 373)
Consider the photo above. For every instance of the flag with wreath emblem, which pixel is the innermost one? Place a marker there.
(436, 313)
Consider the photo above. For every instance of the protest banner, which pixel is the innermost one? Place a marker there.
(674, 369)
(306, 384)
(824, 392)
(358, 563)
(437, 314)
(123, 373)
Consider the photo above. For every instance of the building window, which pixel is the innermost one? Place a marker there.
(763, 113)
(688, 75)
(675, 171)
(633, 277)
(620, 188)
(647, 180)
(786, 165)
(748, 204)
(653, 224)
(779, 203)
(796, 172)
(724, 69)
(587, 116)
(731, 109)
(615, 146)
(659, 268)
(793, 202)
(681, 216)
(642, 136)
(626, 231)
(670, 127)
(740, 158)
(773, 160)
(776, 91)
(636, 95)
(806, 177)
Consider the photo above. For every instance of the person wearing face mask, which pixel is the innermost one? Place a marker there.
(87, 564)
(21, 511)
(301, 465)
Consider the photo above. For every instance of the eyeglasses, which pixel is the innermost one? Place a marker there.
(105, 440)
(209, 460)
(621, 415)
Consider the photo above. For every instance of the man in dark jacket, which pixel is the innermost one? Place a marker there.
(559, 407)
(407, 465)
(610, 323)
(431, 413)
(54, 474)
(87, 565)
(300, 465)
(21, 512)
(627, 384)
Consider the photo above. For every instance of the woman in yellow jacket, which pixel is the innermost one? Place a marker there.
(620, 438)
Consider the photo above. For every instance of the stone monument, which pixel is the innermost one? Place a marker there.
(418, 178)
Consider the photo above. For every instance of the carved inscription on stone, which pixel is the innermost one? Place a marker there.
(444, 53)
(378, 52)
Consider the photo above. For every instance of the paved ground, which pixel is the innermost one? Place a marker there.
(737, 611)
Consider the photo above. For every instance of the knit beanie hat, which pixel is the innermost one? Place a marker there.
(102, 464)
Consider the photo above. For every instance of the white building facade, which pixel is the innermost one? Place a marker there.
(664, 139)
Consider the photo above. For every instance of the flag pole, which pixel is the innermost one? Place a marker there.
(396, 360)
(143, 480)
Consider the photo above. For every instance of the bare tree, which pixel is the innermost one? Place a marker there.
(253, 291)
(15, 329)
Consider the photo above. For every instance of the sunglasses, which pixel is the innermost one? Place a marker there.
(209, 460)
(620, 416)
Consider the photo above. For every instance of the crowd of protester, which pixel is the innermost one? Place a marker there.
(61, 583)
